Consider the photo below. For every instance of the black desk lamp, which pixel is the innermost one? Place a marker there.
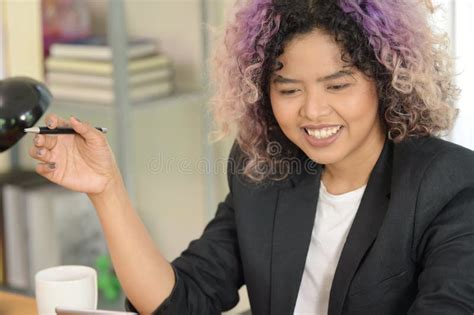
(22, 103)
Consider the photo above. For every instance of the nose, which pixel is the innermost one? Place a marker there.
(315, 105)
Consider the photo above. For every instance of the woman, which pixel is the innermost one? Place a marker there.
(342, 200)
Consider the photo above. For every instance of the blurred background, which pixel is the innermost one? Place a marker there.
(139, 68)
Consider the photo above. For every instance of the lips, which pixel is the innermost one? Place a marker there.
(322, 135)
(320, 126)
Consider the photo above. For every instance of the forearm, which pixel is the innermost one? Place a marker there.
(146, 276)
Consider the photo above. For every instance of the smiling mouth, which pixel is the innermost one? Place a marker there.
(323, 133)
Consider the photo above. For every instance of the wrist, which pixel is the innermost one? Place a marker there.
(113, 190)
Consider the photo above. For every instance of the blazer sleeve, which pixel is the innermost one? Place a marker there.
(208, 273)
(444, 236)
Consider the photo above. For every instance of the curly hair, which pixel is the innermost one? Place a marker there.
(390, 41)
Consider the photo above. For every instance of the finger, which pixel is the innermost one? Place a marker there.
(38, 140)
(49, 142)
(40, 154)
(54, 121)
(46, 169)
(89, 133)
(45, 141)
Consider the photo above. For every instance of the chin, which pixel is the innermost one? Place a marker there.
(323, 158)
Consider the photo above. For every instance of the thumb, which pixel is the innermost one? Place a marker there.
(85, 130)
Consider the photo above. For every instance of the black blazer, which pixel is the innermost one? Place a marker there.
(410, 248)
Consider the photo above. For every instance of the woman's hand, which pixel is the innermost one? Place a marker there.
(82, 162)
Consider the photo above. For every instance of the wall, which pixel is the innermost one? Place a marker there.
(21, 21)
(2, 43)
(4, 158)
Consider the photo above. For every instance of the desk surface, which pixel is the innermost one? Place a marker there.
(15, 304)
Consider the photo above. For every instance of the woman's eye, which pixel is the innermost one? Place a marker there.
(338, 87)
(288, 92)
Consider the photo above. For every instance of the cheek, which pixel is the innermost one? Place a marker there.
(362, 110)
(277, 108)
(370, 110)
(282, 115)
(284, 110)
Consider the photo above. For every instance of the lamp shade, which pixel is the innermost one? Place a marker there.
(22, 103)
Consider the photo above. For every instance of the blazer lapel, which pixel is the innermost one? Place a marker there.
(364, 229)
(294, 219)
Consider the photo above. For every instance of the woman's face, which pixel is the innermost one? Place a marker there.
(327, 108)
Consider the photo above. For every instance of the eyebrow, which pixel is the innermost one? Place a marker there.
(333, 76)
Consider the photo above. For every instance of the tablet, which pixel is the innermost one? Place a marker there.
(81, 311)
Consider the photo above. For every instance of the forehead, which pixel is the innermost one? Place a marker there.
(316, 49)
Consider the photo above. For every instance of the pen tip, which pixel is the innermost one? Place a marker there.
(32, 129)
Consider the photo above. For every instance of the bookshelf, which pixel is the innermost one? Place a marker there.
(117, 19)
(23, 29)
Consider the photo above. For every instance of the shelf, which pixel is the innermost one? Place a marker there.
(172, 100)
(169, 101)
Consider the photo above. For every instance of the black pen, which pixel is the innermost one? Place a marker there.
(57, 131)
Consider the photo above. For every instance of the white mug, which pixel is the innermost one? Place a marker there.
(65, 286)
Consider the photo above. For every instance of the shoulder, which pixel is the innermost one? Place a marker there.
(426, 155)
(431, 147)
(441, 169)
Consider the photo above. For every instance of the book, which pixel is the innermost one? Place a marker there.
(98, 81)
(138, 94)
(64, 21)
(97, 48)
(104, 67)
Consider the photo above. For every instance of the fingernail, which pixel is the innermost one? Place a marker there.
(76, 118)
(49, 123)
(40, 152)
(36, 139)
(51, 166)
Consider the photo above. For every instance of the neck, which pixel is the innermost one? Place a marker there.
(348, 175)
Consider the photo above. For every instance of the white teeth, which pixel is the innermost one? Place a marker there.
(323, 133)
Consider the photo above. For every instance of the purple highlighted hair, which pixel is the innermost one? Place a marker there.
(391, 41)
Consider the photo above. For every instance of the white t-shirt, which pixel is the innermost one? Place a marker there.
(334, 217)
